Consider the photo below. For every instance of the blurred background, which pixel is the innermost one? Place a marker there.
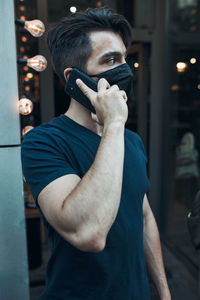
(164, 111)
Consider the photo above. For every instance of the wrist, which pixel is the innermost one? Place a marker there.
(113, 126)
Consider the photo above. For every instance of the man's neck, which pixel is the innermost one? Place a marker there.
(82, 116)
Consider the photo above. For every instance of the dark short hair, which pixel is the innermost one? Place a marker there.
(69, 41)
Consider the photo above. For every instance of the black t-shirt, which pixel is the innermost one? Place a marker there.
(62, 147)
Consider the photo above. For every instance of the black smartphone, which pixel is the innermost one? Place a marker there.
(72, 89)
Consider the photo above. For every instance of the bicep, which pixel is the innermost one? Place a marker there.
(147, 212)
(145, 205)
(149, 220)
(51, 198)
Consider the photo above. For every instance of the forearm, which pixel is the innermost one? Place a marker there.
(153, 255)
(91, 208)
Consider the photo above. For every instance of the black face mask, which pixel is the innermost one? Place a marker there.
(121, 75)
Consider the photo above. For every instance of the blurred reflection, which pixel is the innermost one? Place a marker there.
(185, 139)
(186, 15)
(187, 171)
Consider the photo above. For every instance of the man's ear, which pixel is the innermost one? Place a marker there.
(67, 72)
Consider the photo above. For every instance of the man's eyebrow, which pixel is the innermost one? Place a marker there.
(113, 53)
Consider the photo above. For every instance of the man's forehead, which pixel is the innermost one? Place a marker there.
(106, 42)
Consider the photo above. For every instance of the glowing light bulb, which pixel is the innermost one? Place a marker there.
(136, 65)
(181, 67)
(175, 87)
(99, 4)
(73, 9)
(26, 129)
(35, 27)
(22, 49)
(38, 63)
(27, 88)
(25, 106)
(22, 8)
(198, 86)
(24, 39)
(29, 75)
(193, 60)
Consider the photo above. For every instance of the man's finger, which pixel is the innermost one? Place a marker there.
(123, 93)
(88, 92)
(114, 87)
(95, 118)
(102, 85)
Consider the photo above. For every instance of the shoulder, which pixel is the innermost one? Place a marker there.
(43, 157)
(35, 139)
(37, 133)
(43, 134)
(40, 144)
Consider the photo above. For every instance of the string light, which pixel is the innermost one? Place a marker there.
(136, 65)
(22, 49)
(38, 62)
(198, 86)
(35, 27)
(22, 8)
(175, 87)
(24, 106)
(29, 75)
(99, 4)
(26, 129)
(27, 88)
(181, 67)
(73, 9)
(24, 39)
(193, 60)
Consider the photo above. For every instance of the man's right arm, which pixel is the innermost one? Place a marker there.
(83, 210)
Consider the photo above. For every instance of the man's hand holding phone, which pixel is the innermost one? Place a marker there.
(109, 102)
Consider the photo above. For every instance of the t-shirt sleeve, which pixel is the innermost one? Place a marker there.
(42, 161)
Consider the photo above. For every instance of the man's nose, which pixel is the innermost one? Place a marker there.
(123, 60)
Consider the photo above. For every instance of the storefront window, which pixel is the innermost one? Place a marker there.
(183, 181)
(62, 8)
(144, 13)
(186, 16)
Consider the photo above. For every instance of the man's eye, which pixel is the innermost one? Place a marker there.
(111, 61)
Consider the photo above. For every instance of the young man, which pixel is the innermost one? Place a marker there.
(87, 173)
